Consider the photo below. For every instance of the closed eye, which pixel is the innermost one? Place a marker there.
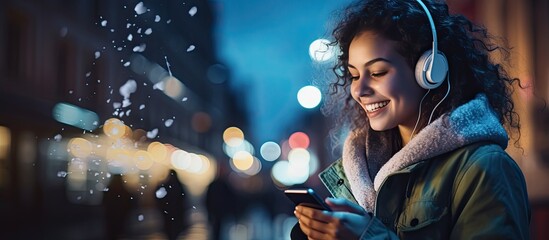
(378, 74)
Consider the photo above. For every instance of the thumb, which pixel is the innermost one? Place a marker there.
(344, 205)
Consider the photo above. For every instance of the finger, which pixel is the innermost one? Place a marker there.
(316, 214)
(314, 233)
(344, 205)
(319, 227)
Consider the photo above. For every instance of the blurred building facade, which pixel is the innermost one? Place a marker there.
(81, 53)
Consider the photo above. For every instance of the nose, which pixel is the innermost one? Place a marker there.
(361, 87)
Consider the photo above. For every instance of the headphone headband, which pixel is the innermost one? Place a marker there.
(432, 66)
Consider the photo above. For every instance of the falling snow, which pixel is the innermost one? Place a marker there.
(140, 217)
(157, 18)
(148, 31)
(168, 122)
(140, 8)
(126, 103)
(152, 134)
(97, 54)
(161, 193)
(58, 137)
(104, 23)
(190, 48)
(142, 106)
(193, 11)
(128, 88)
(159, 86)
(62, 174)
(140, 48)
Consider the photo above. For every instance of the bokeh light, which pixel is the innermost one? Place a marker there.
(142, 160)
(204, 166)
(114, 128)
(242, 160)
(321, 51)
(299, 156)
(309, 96)
(201, 122)
(230, 150)
(255, 168)
(279, 173)
(173, 87)
(196, 163)
(299, 140)
(180, 159)
(158, 151)
(80, 147)
(75, 116)
(119, 160)
(233, 136)
(217, 73)
(270, 151)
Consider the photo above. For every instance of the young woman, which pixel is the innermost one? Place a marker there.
(425, 155)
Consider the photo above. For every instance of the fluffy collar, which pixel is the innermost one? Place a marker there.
(364, 155)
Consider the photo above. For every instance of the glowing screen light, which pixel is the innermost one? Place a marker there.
(270, 151)
(299, 140)
(321, 51)
(75, 116)
(309, 96)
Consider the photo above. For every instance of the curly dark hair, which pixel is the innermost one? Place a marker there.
(466, 46)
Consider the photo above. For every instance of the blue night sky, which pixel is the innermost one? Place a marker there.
(266, 46)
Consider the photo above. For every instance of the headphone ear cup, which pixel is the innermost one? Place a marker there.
(430, 78)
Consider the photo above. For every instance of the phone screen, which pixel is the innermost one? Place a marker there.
(306, 197)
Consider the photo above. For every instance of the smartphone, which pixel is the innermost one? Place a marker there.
(306, 197)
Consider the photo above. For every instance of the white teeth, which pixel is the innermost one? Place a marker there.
(376, 106)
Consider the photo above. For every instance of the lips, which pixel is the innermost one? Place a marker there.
(373, 107)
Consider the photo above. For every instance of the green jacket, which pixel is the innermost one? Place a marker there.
(453, 180)
(475, 192)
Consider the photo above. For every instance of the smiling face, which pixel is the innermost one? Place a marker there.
(383, 83)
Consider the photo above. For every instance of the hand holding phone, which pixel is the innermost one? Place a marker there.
(306, 197)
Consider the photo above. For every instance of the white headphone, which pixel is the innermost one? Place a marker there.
(431, 69)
